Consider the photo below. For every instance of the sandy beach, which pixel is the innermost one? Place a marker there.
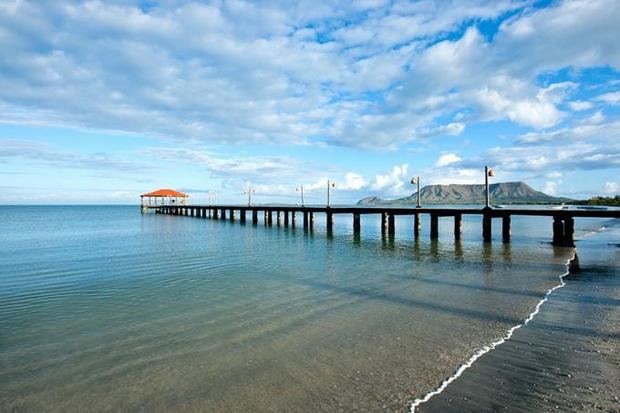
(566, 359)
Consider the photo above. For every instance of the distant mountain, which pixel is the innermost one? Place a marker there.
(501, 193)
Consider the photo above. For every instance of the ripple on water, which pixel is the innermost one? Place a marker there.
(121, 311)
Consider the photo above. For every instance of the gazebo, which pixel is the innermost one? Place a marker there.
(163, 197)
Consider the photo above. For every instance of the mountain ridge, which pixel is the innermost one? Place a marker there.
(500, 193)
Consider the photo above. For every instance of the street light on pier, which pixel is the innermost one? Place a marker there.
(416, 181)
(301, 189)
(488, 173)
(249, 193)
(330, 184)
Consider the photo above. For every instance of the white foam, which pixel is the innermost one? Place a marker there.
(492, 346)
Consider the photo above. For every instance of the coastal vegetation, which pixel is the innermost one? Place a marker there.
(600, 200)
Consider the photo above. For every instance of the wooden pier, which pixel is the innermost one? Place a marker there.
(563, 226)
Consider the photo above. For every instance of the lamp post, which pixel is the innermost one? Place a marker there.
(330, 184)
(416, 181)
(249, 192)
(301, 189)
(488, 173)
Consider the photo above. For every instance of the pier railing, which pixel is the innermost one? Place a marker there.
(563, 226)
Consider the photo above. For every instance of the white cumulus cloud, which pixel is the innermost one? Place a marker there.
(370, 74)
(612, 188)
(612, 98)
(447, 159)
(579, 105)
(393, 182)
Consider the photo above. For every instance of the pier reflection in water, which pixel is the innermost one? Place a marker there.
(103, 307)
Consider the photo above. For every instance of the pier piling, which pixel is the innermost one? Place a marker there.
(569, 231)
(434, 226)
(458, 226)
(417, 224)
(384, 222)
(329, 220)
(558, 230)
(506, 228)
(486, 227)
(391, 224)
(356, 223)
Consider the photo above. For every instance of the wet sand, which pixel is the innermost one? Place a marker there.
(566, 359)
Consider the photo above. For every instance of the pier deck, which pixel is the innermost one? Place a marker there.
(562, 228)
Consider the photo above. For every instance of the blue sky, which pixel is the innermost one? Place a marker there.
(100, 101)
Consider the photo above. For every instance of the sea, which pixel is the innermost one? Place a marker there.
(103, 308)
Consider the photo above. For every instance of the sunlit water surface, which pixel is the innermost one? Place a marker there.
(104, 309)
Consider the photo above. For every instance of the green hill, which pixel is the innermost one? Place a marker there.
(501, 193)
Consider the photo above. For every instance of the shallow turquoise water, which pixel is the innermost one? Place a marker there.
(102, 308)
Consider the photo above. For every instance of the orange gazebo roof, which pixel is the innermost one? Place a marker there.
(166, 192)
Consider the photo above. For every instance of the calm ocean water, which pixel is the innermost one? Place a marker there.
(105, 309)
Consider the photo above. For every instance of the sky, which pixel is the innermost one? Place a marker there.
(103, 100)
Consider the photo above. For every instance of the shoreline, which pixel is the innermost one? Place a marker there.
(486, 349)
(539, 366)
